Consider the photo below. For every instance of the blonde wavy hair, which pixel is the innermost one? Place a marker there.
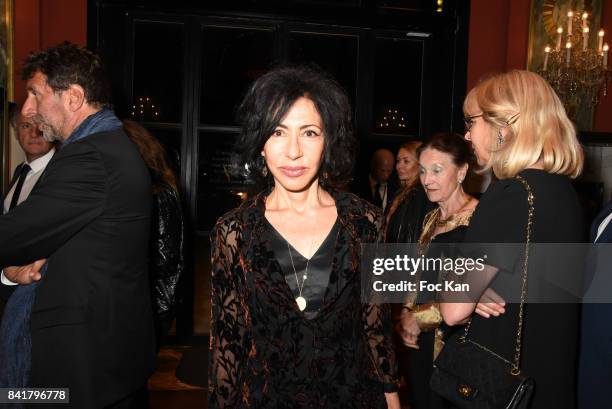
(537, 126)
(411, 147)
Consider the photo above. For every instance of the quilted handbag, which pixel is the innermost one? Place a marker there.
(471, 376)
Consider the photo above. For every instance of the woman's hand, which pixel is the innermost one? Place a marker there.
(393, 401)
(490, 303)
(408, 329)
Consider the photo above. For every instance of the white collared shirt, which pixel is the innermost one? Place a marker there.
(603, 225)
(37, 167)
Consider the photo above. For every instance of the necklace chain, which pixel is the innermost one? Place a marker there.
(297, 281)
(442, 222)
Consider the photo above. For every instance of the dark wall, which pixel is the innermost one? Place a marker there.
(195, 63)
(181, 69)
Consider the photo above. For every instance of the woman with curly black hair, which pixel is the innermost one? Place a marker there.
(288, 326)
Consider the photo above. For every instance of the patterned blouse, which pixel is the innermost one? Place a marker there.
(264, 353)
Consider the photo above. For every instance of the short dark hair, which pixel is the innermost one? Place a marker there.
(269, 99)
(68, 64)
(451, 143)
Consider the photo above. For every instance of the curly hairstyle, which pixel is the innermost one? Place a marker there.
(153, 153)
(269, 99)
(67, 64)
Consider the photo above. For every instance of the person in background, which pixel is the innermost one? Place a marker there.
(289, 330)
(594, 374)
(166, 253)
(38, 153)
(404, 219)
(378, 188)
(443, 165)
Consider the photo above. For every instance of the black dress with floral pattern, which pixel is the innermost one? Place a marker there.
(264, 353)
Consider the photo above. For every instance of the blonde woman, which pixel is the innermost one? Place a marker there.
(406, 213)
(518, 127)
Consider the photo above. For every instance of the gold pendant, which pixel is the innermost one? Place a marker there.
(301, 303)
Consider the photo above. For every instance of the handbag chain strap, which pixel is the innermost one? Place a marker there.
(515, 366)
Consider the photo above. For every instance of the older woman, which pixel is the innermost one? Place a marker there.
(518, 128)
(288, 328)
(443, 165)
(406, 212)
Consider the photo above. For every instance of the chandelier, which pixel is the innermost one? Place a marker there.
(577, 72)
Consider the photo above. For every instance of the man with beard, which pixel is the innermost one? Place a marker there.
(80, 317)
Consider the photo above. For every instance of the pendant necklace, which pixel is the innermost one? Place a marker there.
(301, 301)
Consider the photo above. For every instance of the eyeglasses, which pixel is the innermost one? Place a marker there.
(469, 121)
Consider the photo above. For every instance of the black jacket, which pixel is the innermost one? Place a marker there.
(167, 261)
(91, 322)
(405, 218)
(362, 188)
(13, 180)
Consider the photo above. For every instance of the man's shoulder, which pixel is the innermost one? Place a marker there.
(97, 152)
(112, 138)
(115, 143)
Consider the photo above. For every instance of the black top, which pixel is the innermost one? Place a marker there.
(362, 188)
(319, 268)
(420, 361)
(445, 250)
(265, 353)
(406, 220)
(550, 330)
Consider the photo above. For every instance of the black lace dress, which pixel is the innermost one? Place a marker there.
(265, 352)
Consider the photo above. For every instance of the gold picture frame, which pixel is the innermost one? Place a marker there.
(6, 88)
(546, 16)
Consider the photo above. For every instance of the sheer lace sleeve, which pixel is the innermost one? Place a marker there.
(378, 324)
(228, 335)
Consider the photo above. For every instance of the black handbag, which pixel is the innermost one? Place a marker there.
(471, 376)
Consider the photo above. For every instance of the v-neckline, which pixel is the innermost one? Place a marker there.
(346, 228)
(293, 249)
(332, 236)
